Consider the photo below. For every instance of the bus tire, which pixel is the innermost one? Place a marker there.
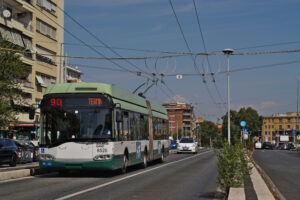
(162, 156)
(145, 160)
(124, 165)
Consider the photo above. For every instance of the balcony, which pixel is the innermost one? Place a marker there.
(186, 114)
(186, 119)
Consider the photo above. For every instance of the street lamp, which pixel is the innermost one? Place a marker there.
(228, 52)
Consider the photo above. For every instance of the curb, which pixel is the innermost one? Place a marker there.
(15, 174)
(236, 194)
(272, 187)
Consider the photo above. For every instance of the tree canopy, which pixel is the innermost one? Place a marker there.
(12, 71)
(249, 115)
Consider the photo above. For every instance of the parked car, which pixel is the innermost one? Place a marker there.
(8, 152)
(26, 152)
(35, 150)
(187, 145)
(286, 146)
(173, 144)
(267, 145)
(258, 145)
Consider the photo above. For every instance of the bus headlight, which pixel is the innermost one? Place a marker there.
(102, 157)
(46, 157)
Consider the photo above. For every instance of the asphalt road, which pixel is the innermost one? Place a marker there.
(283, 167)
(181, 176)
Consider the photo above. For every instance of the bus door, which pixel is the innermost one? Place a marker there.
(150, 126)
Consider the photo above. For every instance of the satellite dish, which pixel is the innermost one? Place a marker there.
(6, 13)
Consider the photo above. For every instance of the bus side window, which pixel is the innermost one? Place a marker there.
(125, 135)
(132, 128)
(118, 125)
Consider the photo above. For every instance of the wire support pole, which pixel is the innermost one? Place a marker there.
(228, 99)
(297, 118)
(228, 52)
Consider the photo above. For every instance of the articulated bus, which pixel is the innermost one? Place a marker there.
(87, 126)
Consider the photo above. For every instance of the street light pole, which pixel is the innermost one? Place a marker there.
(297, 118)
(228, 52)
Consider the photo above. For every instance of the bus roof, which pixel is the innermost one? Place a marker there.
(127, 100)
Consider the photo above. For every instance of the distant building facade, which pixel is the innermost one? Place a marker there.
(35, 25)
(280, 125)
(180, 117)
(73, 75)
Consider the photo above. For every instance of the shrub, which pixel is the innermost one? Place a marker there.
(232, 165)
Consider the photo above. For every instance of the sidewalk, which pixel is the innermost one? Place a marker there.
(255, 189)
(19, 171)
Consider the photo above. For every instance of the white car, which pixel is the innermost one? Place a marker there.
(258, 145)
(187, 145)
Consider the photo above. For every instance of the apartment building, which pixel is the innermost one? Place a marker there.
(280, 125)
(35, 25)
(180, 117)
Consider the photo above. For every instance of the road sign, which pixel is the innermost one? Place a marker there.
(245, 130)
(243, 123)
(294, 131)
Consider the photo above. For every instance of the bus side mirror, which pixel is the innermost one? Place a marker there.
(118, 117)
(31, 112)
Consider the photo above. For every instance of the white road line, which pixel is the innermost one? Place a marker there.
(16, 179)
(127, 177)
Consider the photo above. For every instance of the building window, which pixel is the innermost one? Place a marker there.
(45, 29)
(44, 80)
(47, 5)
(45, 55)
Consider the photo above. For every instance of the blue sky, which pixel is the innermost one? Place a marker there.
(151, 25)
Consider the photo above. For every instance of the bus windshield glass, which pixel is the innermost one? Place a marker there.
(74, 123)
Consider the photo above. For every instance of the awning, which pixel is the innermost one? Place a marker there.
(40, 81)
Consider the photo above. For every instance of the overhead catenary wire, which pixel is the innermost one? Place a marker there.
(99, 40)
(205, 50)
(282, 64)
(90, 47)
(193, 58)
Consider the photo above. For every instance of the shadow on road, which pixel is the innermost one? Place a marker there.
(212, 195)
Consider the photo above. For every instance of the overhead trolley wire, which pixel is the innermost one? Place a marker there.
(205, 50)
(92, 48)
(99, 40)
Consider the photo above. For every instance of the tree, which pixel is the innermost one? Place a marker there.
(252, 118)
(12, 71)
(208, 131)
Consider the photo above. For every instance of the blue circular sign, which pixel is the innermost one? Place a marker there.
(243, 123)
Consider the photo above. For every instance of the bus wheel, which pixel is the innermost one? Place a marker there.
(162, 157)
(144, 164)
(124, 165)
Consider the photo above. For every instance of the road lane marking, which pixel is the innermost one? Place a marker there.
(127, 177)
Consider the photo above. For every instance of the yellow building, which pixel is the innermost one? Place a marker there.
(35, 25)
(278, 125)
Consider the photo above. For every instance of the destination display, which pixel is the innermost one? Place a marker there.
(85, 100)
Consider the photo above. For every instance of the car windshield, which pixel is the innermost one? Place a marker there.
(187, 140)
(61, 125)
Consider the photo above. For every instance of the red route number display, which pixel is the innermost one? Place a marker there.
(56, 102)
(82, 101)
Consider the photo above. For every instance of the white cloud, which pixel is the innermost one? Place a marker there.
(263, 108)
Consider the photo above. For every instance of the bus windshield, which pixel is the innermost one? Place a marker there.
(60, 125)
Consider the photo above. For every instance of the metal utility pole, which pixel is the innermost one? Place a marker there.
(297, 118)
(228, 52)
(177, 130)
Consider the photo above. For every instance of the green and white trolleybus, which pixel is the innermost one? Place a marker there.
(88, 126)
